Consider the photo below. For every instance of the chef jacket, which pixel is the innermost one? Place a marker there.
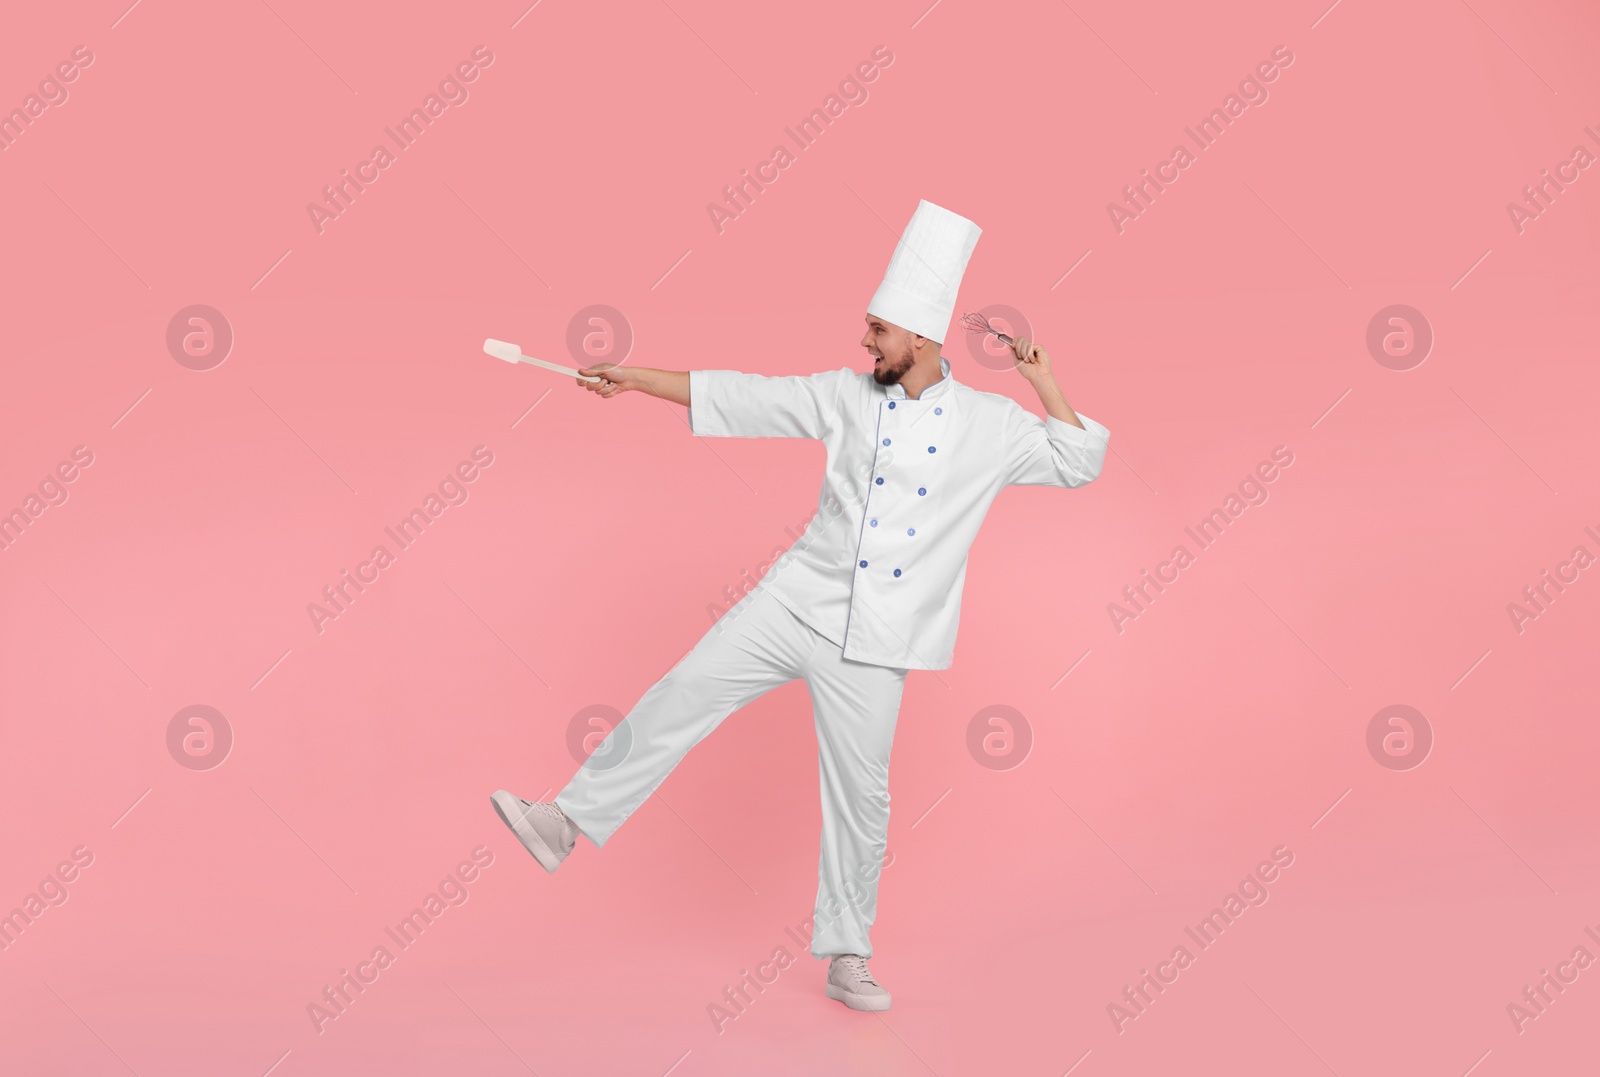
(880, 568)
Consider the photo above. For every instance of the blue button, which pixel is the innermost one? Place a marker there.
(874, 523)
(878, 480)
(897, 572)
(891, 404)
(886, 441)
(920, 489)
(930, 448)
(938, 411)
(863, 564)
(911, 531)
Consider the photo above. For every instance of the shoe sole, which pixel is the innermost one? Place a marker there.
(510, 813)
(871, 1003)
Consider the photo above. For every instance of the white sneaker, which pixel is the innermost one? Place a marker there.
(851, 983)
(543, 829)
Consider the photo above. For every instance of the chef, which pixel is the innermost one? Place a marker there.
(871, 589)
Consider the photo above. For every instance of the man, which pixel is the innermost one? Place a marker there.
(871, 590)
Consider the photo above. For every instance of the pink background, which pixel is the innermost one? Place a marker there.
(1230, 718)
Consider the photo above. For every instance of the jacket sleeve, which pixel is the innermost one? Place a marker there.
(731, 403)
(1050, 451)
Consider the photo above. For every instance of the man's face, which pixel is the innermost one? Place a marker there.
(890, 347)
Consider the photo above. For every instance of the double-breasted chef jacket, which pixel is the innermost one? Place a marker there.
(880, 569)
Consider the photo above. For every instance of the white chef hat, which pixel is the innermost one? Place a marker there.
(918, 292)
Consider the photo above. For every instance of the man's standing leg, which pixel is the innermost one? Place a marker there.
(751, 650)
(856, 706)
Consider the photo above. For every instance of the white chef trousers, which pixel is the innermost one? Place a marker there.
(753, 648)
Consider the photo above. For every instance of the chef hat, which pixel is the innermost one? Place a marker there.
(918, 292)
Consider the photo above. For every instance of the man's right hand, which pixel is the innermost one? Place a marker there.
(615, 379)
(669, 385)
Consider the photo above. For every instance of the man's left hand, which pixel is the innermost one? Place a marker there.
(1033, 362)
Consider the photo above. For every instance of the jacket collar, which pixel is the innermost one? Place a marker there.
(937, 389)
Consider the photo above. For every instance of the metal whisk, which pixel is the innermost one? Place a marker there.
(977, 323)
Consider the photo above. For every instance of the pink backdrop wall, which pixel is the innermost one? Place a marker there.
(221, 888)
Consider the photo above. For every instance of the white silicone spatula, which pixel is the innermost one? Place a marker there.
(512, 353)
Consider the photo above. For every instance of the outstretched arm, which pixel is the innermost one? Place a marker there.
(670, 385)
(732, 403)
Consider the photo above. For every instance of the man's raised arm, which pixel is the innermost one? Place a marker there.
(1064, 448)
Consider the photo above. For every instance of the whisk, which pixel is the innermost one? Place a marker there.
(977, 323)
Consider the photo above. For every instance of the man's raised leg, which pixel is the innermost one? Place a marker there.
(753, 648)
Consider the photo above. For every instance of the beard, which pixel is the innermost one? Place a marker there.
(888, 370)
